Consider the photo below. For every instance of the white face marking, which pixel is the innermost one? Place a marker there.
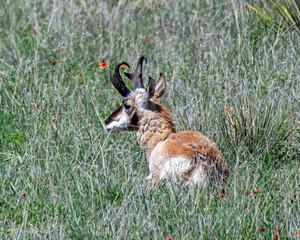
(120, 124)
(124, 117)
(139, 96)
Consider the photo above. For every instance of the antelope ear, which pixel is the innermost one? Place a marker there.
(150, 90)
(161, 86)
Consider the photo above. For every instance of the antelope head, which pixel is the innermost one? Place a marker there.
(135, 101)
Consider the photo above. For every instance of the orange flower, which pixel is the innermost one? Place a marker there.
(262, 229)
(221, 196)
(103, 64)
(117, 104)
(78, 75)
(277, 189)
(294, 195)
(53, 119)
(276, 237)
(169, 238)
(53, 63)
(23, 195)
(257, 191)
(250, 226)
(79, 111)
(277, 229)
(298, 234)
(123, 66)
(145, 37)
(35, 109)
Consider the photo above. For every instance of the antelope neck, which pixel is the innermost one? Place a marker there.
(154, 127)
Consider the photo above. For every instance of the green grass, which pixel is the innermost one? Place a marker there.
(91, 185)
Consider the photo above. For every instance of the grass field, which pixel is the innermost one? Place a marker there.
(229, 76)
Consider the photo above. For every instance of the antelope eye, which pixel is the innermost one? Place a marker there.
(127, 106)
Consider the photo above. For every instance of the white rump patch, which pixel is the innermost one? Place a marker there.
(199, 176)
(175, 168)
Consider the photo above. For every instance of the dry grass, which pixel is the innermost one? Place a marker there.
(88, 184)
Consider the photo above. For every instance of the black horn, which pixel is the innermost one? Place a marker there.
(117, 80)
(137, 77)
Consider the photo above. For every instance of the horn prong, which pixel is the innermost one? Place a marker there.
(117, 80)
(137, 77)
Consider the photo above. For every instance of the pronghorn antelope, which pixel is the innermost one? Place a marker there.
(186, 156)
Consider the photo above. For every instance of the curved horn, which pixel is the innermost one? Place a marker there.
(117, 80)
(137, 77)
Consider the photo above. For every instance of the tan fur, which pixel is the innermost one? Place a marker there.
(154, 126)
(160, 142)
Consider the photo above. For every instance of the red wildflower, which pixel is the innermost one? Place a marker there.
(223, 190)
(298, 234)
(91, 213)
(78, 75)
(23, 195)
(221, 196)
(53, 63)
(257, 191)
(294, 195)
(276, 237)
(35, 109)
(277, 189)
(53, 119)
(262, 229)
(169, 238)
(117, 104)
(103, 64)
(254, 171)
(123, 66)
